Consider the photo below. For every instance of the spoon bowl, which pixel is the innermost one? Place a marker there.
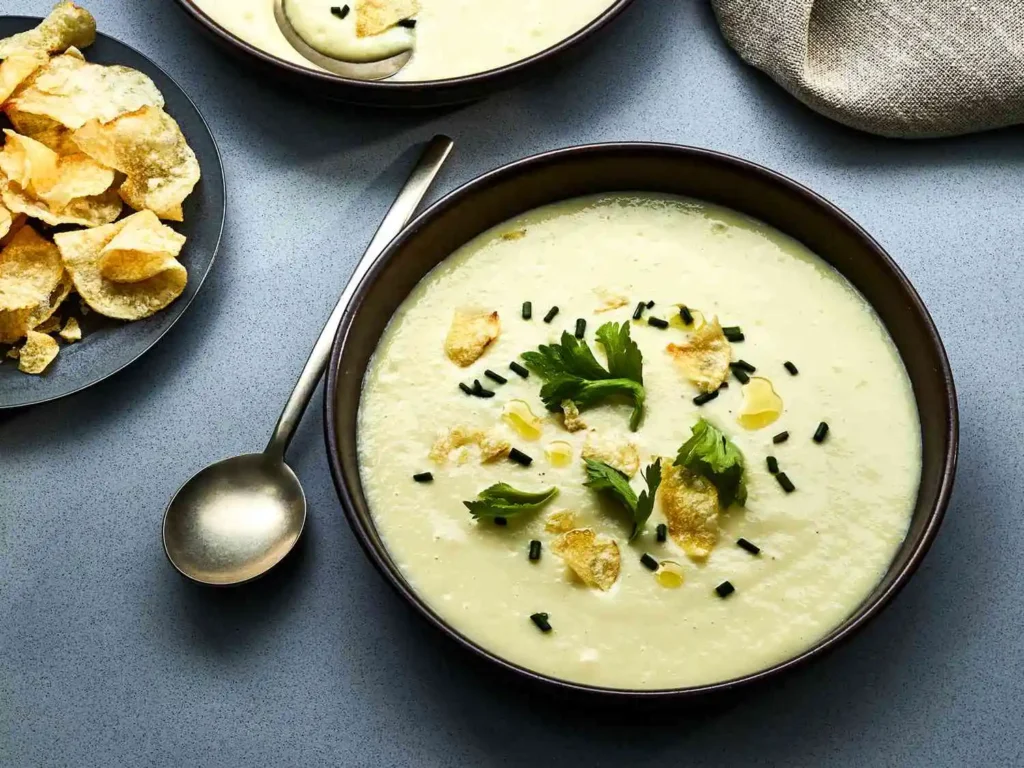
(357, 70)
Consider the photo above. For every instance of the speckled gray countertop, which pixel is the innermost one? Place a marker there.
(107, 658)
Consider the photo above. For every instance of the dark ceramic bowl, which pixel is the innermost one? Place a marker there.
(743, 186)
(427, 93)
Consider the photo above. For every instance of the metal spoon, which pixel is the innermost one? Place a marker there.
(357, 70)
(235, 520)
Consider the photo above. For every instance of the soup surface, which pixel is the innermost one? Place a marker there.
(822, 547)
(452, 38)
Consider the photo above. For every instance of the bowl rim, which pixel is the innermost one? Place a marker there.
(826, 644)
(475, 80)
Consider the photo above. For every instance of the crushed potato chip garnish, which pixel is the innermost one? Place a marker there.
(690, 504)
(615, 452)
(71, 331)
(82, 252)
(594, 559)
(704, 357)
(376, 16)
(761, 405)
(610, 300)
(560, 521)
(30, 271)
(571, 417)
(142, 249)
(471, 332)
(38, 351)
(67, 25)
(492, 446)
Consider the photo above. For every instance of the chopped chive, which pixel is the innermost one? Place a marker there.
(423, 477)
(705, 397)
(479, 391)
(791, 368)
(724, 385)
(657, 322)
(341, 12)
(519, 457)
(821, 432)
(407, 23)
(725, 589)
(649, 562)
(495, 376)
(541, 620)
(750, 547)
(638, 312)
(661, 532)
(518, 369)
(785, 482)
(535, 550)
(650, 304)
(780, 438)
(500, 521)
(686, 316)
(527, 310)
(581, 328)
(743, 365)
(733, 333)
(551, 314)
(741, 375)
(773, 465)
(731, 329)
(465, 388)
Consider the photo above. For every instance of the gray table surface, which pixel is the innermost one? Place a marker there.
(108, 658)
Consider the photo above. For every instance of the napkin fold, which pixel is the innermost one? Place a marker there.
(906, 68)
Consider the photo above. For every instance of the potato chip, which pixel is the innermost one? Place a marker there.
(704, 358)
(614, 451)
(44, 130)
(690, 504)
(610, 300)
(594, 559)
(471, 332)
(72, 92)
(30, 270)
(18, 220)
(82, 251)
(71, 331)
(6, 220)
(66, 25)
(84, 211)
(14, 353)
(149, 148)
(376, 16)
(491, 446)
(571, 417)
(144, 248)
(38, 351)
(45, 309)
(560, 521)
(51, 324)
(27, 163)
(17, 68)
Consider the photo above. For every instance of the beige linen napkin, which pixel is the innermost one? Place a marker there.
(910, 68)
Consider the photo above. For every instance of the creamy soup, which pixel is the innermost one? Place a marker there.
(808, 557)
(451, 38)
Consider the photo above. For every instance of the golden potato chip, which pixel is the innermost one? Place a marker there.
(38, 351)
(6, 221)
(45, 309)
(594, 559)
(78, 176)
(148, 147)
(44, 130)
(16, 68)
(71, 331)
(84, 211)
(27, 163)
(491, 446)
(82, 251)
(66, 25)
(704, 358)
(610, 300)
(14, 353)
(376, 16)
(144, 248)
(51, 324)
(560, 521)
(30, 269)
(72, 92)
(614, 451)
(571, 417)
(690, 504)
(18, 220)
(471, 332)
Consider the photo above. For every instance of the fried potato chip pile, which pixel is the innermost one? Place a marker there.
(87, 140)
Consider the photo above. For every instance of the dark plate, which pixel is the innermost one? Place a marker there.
(718, 178)
(108, 346)
(428, 93)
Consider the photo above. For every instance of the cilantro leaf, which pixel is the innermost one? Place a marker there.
(502, 500)
(606, 479)
(712, 455)
(571, 371)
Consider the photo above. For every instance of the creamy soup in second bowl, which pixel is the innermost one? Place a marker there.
(450, 38)
(640, 442)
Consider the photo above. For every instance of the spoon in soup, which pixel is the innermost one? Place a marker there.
(362, 67)
(235, 520)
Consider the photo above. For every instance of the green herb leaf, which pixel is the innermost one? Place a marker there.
(502, 500)
(571, 371)
(712, 455)
(606, 479)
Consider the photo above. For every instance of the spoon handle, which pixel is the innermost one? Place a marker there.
(397, 217)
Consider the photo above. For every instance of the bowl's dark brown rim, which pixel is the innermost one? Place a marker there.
(825, 645)
(476, 81)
